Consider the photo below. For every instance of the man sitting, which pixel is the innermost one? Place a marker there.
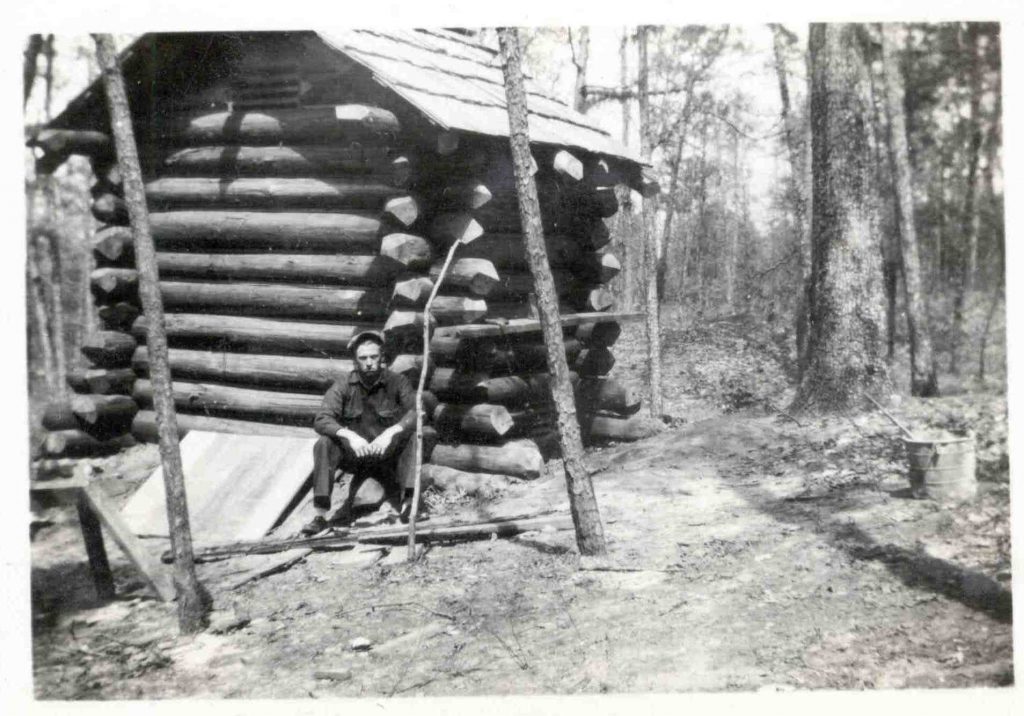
(365, 422)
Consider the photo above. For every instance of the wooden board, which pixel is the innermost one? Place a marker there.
(237, 486)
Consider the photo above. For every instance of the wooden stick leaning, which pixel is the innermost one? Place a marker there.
(419, 399)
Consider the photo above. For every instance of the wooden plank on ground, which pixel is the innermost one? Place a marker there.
(155, 574)
(237, 486)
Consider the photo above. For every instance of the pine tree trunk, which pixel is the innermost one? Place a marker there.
(193, 600)
(650, 275)
(968, 220)
(48, 244)
(923, 380)
(846, 341)
(800, 188)
(582, 503)
(37, 301)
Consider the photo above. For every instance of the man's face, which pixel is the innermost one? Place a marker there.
(368, 360)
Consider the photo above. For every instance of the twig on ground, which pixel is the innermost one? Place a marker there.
(397, 605)
(768, 404)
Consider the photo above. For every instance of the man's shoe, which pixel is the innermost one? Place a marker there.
(421, 514)
(315, 526)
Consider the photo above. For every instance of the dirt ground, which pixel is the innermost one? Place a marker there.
(759, 554)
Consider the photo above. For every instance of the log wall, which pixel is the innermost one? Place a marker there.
(282, 232)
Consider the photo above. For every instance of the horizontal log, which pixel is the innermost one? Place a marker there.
(478, 276)
(482, 421)
(278, 299)
(283, 300)
(59, 144)
(459, 226)
(112, 245)
(263, 334)
(79, 443)
(339, 269)
(315, 125)
(269, 192)
(532, 325)
(404, 323)
(118, 316)
(295, 160)
(508, 251)
(112, 284)
(293, 372)
(413, 252)
(580, 297)
(597, 267)
(462, 195)
(273, 406)
(608, 395)
(445, 310)
(600, 428)
(343, 232)
(411, 292)
(110, 209)
(472, 484)
(518, 458)
(567, 166)
(99, 415)
(593, 362)
(452, 384)
(402, 210)
(525, 308)
(144, 427)
(521, 389)
(102, 381)
(108, 349)
(594, 335)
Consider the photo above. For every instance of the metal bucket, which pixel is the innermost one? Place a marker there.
(942, 466)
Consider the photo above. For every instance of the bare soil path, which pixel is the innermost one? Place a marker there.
(761, 555)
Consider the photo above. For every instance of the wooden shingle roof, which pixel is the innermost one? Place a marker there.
(454, 82)
(459, 85)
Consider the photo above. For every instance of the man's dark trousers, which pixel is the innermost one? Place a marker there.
(395, 470)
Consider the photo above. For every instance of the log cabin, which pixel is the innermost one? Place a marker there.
(302, 186)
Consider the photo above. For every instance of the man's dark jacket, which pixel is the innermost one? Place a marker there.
(367, 411)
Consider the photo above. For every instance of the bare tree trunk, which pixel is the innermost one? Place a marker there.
(923, 381)
(845, 342)
(32, 50)
(48, 245)
(38, 302)
(800, 186)
(732, 231)
(624, 82)
(582, 503)
(968, 224)
(650, 276)
(193, 600)
(580, 58)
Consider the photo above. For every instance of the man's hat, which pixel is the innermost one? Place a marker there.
(375, 336)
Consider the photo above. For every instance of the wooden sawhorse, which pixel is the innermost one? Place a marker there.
(95, 510)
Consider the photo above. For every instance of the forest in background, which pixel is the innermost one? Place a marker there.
(731, 242)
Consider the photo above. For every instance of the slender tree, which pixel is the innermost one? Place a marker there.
(845, 341)
(652, 322)
(193, 600)
(923, 381)
(582, 502)
(796, 148)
